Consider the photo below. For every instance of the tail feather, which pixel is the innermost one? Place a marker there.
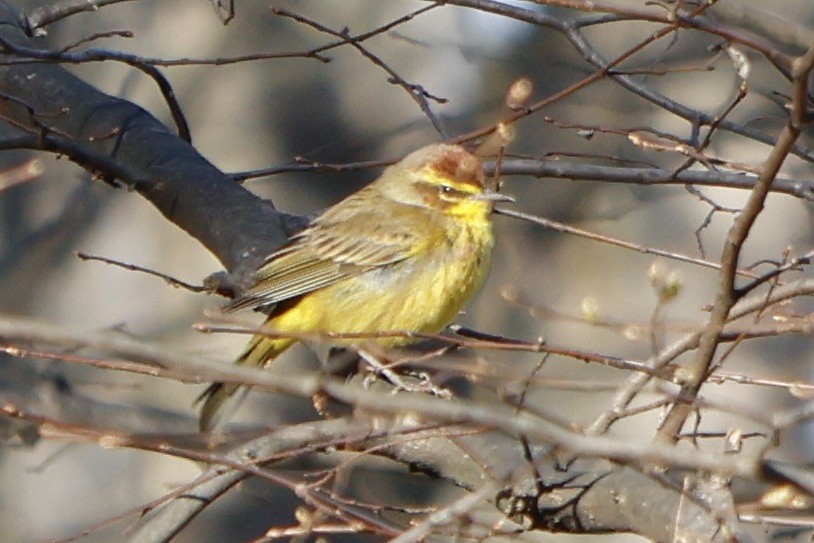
(261, 351)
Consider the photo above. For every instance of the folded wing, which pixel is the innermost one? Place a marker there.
(331, 249)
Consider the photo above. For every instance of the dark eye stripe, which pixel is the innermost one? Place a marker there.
(446, 189)
(437, 190)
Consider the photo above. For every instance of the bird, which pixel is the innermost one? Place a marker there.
(404, 253)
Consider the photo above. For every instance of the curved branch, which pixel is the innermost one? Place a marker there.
(235, 225)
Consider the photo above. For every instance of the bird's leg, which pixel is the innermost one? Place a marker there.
(422, 382)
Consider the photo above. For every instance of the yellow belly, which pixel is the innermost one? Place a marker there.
(420, 294)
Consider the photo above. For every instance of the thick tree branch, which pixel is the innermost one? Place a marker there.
(234, 224)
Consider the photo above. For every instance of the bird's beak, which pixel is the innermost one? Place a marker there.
(492, 196)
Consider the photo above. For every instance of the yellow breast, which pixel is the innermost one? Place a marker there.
(420, 294)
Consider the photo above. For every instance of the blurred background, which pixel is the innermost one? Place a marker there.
(269, 112)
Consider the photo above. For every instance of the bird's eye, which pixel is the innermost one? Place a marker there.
(446, 189)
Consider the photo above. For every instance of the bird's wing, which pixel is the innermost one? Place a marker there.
(331, 249)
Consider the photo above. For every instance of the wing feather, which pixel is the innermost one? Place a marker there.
(330, 250)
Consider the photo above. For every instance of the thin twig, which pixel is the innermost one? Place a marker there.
(172, 281)
(559, 227)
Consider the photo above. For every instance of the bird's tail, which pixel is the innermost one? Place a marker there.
(260, 351)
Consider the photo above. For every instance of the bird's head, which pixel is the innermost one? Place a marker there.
(442, 177)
